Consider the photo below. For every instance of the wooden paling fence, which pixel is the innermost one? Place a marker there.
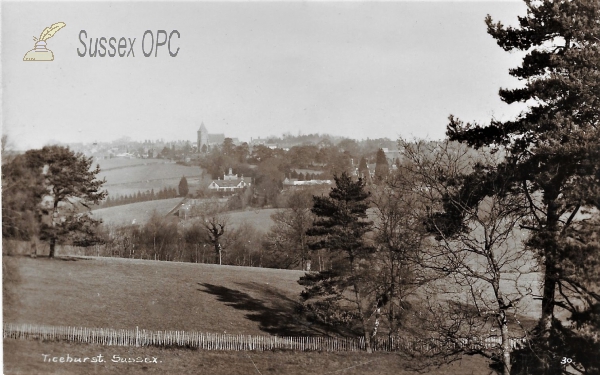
(217, 341)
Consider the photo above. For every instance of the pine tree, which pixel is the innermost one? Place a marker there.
(554, 149)
(340, 227)
(72, 187)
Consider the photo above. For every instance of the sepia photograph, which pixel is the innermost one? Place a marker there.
(300, 187)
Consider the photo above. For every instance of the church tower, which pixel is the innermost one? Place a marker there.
(202, 137)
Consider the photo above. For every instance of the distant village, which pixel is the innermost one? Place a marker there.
(311, 160)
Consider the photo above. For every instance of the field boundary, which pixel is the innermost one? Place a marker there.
(227, 342)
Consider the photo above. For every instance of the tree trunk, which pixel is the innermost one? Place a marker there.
(506, 365)
(548, 300)
(217, 253)
(550, 248)
(52, 245)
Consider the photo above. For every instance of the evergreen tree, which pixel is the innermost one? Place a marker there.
(340, 227)
(382, 168)
(554, 149)
(363, 170)
(72, 188)
(183, 187)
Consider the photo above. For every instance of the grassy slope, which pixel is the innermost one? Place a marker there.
(122, 293)
(259, 219)
(128, 176)
(140, 212)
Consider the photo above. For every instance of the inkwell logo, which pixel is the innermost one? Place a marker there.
(40, 52)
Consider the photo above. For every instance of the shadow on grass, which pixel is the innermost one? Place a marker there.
(276, 313)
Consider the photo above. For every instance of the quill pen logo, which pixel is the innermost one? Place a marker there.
(40, 52)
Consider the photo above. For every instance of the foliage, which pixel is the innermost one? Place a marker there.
(287, 237)
(343, 292)
(400, 237)
(158, 237)
(63, 188)
(554, 149)
(183, 187)
(477, 264)
(363, 170)
(22, 192)
(148, 195)
(382, 169)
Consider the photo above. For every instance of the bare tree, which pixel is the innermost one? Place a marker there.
(287, 236)
(399, 237)
(474, 246)
(215, 227)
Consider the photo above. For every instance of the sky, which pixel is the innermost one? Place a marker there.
(254, 69)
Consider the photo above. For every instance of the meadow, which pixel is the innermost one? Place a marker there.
(125, 293)
(140, 212)
(128, 176)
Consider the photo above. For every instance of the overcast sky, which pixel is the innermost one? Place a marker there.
(254, 69)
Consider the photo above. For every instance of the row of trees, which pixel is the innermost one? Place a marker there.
(207, 239)
(148, 195)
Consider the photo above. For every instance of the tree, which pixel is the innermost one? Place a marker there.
(480, 263)
(71, 188)
(287, 236)
(554, 149)
(336, 296)
(22, 192)
(363, 170)
(382, 169)
(159, 237)
(183, 187)
(215, 227)
(350, 146)
(400, 237)
(242, 152)
(228, 148)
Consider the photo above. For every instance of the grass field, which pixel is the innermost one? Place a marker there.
(259, 219)
(122, 293)
(128, 176)
(106, 164)
(140, 212)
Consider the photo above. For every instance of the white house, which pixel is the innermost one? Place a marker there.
(230, 182)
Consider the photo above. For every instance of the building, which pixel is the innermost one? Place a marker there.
(230, 183)
(208, 140)
(293, 182)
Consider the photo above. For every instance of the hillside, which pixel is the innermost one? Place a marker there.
(135, 213)
(128, 176)
(122, 293)
(125, 293)
(259, 219)
(142, 211)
